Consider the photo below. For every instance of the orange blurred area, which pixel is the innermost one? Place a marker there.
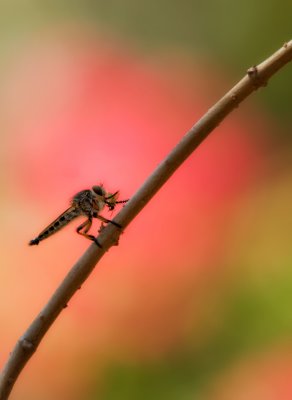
(265, 377)
(80, 111)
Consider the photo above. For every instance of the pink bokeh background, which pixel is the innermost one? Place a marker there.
(80, 111)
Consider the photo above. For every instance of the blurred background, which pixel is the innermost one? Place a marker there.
(195, 302)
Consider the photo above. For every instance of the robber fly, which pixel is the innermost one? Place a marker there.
(88, 203)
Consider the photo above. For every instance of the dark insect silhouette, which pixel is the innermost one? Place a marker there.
(88, 203)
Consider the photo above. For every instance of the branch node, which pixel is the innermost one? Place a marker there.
(234, 98)
(26, 344)
(42, 317)
(253, 74)
(252, 71)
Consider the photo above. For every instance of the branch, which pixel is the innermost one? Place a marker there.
(25, 347)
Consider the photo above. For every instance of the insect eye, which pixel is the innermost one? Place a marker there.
(98, 190)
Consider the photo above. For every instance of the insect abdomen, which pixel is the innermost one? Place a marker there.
(55, 226)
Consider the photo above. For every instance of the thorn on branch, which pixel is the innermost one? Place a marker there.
(101, 228)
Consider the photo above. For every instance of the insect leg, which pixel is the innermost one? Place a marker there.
(85, 226)
(105, 220)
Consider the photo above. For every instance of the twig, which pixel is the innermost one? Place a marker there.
(25, 347)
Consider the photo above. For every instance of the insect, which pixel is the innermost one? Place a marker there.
(88, 203)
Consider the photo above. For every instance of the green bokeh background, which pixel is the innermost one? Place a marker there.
(239, 34)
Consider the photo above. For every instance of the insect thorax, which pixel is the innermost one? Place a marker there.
(87, 201)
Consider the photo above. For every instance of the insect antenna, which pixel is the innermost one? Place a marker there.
(122, 201)
(111, 202)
